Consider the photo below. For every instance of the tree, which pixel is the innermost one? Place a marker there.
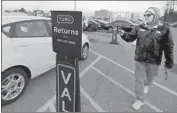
(166, 14)
(7, 11)
(22, 10)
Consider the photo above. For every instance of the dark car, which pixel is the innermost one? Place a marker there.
(93, 26)
(137, 21)
(126, 25)
(170, 24)
(174, 24)
(102, 23)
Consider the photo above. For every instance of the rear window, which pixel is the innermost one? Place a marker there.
(31, 29)
(7, 30)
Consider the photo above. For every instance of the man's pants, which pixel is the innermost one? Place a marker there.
(145, 74)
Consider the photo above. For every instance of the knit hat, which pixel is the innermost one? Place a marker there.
(156, 13)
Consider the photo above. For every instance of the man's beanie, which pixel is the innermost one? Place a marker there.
(156, 14)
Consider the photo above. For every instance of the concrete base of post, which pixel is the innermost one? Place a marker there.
(116, 43)
(114, 39)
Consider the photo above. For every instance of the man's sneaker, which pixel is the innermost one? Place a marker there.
(137, 104)
(145, 89)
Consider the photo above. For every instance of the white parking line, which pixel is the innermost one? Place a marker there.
(50, 102)
(159, 85)
(96, 106)
(47, 104)
(52, 107)
(127, 90)
(88, 67)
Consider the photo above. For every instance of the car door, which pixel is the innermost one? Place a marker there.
(127, 24)
(49, 45)
(32, 41)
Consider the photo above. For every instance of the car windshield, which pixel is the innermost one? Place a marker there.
(94, 22)
(133, 21)
(102, 21)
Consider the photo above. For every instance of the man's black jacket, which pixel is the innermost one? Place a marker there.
(151, 43)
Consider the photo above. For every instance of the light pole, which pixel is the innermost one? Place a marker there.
(74, 5)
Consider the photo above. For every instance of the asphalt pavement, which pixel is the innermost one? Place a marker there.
(40, 90)
(107, 80)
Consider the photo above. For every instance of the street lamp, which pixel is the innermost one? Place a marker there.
(74, 5)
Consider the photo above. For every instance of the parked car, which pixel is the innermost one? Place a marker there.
(126, 25)
(26, 53)
(137, 21)
(84, 23)
(170, 24)
(174, 24)
(102, 23)
(93, 26)
(39, 13)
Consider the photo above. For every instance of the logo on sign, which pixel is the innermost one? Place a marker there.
(65, 19)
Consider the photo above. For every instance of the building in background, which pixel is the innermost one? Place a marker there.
(103, 15)
(122, 15)
(128, 15)
(112, 16)
(116, 15)
(138, 15)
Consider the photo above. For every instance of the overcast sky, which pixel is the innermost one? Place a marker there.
(88, 7)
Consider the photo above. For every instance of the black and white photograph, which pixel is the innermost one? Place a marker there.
(89, 56)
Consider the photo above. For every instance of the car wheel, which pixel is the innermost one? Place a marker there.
(85, 51)
(90, 29)
(13, 84)
(110, 30)
(84, 26)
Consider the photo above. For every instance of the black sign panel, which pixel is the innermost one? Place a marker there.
(66, 88)
(67, 32)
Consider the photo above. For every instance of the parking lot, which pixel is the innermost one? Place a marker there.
(107, 79)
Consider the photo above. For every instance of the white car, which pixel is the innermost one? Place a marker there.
(26, 53)
(134, 43)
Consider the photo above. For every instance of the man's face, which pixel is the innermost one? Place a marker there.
(149, 16)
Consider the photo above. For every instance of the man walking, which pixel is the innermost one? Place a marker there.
(152, 40)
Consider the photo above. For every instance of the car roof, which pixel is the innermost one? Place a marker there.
(94, 21)
(120, 20)
(12, 19)
(102, 21)
(125, 20)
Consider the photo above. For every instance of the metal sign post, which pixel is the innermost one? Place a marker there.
(67, 41)
(114, 36)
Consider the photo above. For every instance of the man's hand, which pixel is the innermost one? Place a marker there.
(121, 32)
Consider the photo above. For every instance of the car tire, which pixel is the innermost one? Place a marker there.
(85, 51)
(110, 30)
(13, 73)
(90, 29)
(84, 26)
